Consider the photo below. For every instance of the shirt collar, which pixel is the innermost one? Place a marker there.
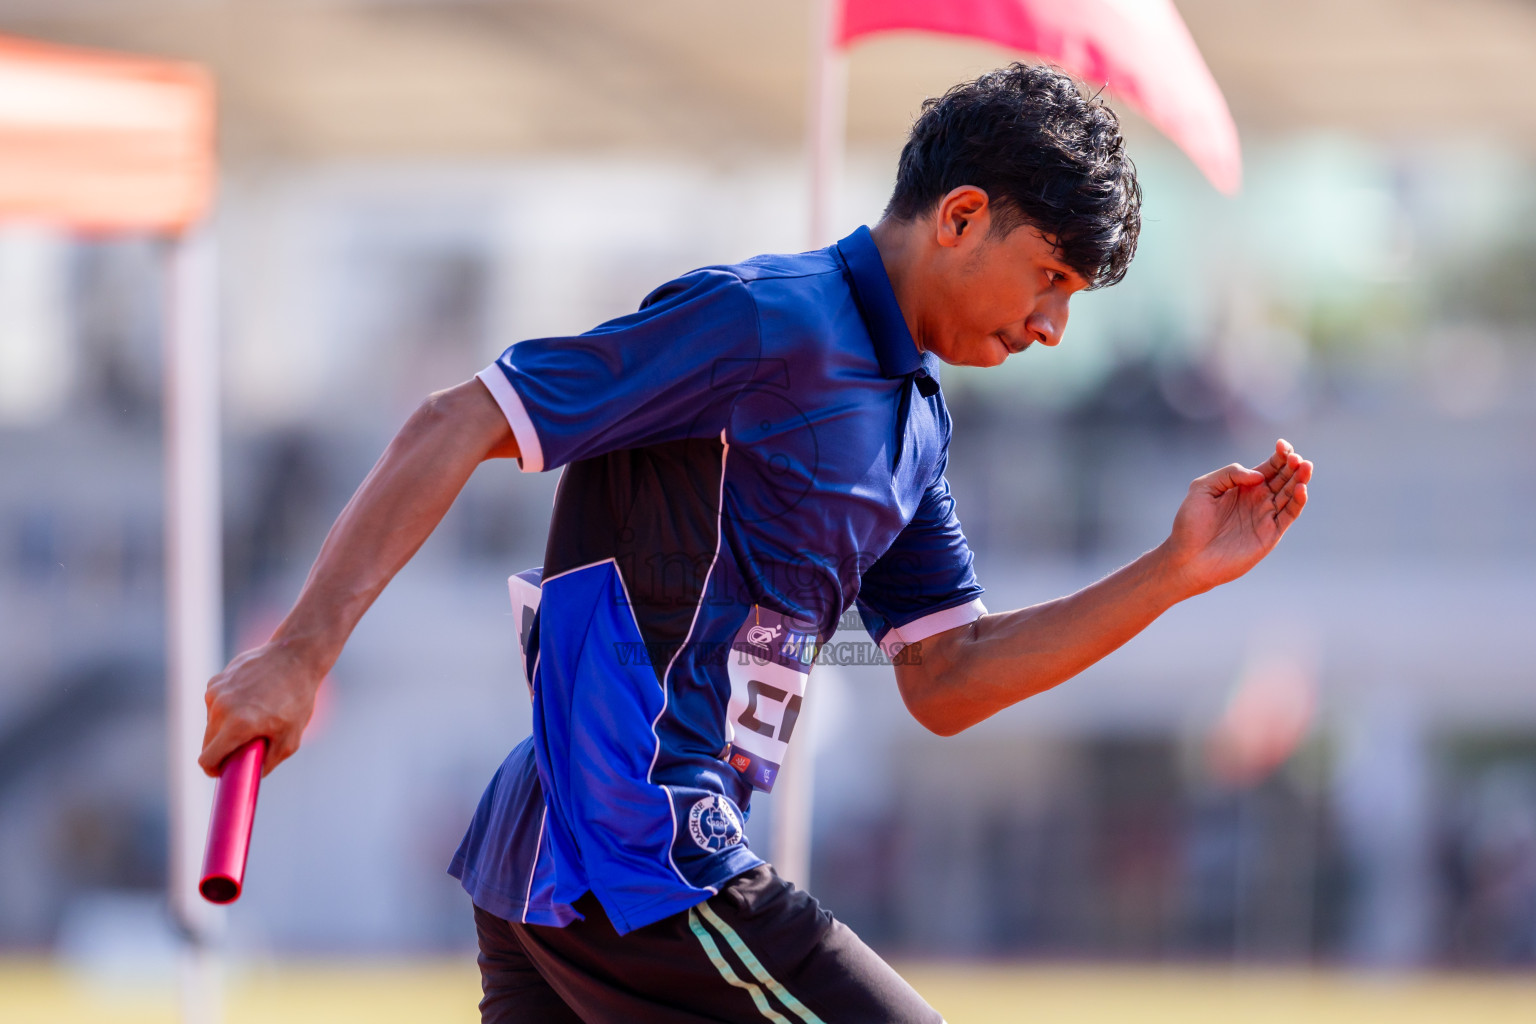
(894, 348)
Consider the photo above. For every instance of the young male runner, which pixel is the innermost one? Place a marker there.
(759, 447)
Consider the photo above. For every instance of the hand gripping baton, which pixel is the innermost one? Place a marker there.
(229, 827)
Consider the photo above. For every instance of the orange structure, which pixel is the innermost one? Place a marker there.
(102, 142)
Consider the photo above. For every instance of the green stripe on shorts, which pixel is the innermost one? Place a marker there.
(755, 966)
(729, 973)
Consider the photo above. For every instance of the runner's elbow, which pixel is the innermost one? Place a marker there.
(934, 679)
(942, 725)
(931, 705)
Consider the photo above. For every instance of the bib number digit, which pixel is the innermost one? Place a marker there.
(770, 663)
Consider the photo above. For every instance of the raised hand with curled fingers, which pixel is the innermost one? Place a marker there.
(1233, 517)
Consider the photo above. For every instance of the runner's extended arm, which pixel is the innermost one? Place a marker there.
(1228, 522)
(270, 690)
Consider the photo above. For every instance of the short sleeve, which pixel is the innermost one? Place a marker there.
(665, 373)
(925, 583)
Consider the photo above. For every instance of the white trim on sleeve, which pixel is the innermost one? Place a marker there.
(931, 625)
(531, 458)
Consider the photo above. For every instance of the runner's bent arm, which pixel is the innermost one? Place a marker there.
(1230, 520)
(270, 690)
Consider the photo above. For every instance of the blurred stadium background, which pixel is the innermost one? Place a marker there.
(410, 185)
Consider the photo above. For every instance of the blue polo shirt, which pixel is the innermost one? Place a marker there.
(756, 449)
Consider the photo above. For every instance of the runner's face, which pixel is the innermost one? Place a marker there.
(998, 295)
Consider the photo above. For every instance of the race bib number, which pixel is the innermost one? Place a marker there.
(770, 661)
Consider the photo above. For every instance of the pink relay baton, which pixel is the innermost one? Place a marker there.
(229, 827)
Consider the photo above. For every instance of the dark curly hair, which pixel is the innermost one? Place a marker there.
(1045, 154)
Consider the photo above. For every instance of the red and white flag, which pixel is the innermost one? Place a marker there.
(1140, 49)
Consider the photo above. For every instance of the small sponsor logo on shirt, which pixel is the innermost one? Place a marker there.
(799, 647)
(714, 824)
(741, 762)
(763, 636)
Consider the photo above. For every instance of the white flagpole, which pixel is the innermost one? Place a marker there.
(194, 598)
(794, 792)
(826, 119)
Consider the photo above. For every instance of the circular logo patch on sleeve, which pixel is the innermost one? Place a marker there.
(714, 823)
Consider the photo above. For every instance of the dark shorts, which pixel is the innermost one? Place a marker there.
(760, 950)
